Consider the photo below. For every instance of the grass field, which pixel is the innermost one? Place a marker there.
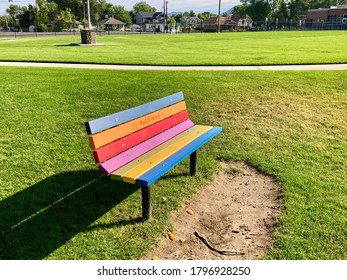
(258, 48)
(54, 203)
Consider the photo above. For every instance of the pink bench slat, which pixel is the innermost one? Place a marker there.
(123, 158)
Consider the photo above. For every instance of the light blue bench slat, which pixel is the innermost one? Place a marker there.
(155, 173)
(112, 120)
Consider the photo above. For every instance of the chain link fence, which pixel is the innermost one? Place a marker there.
(265, 25)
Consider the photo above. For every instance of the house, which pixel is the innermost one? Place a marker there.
(76, 26)
(327, 16)
(227, 23)
(31, 28)
(134, 28)
(245, 24)
(73, 25)
(147, 17)
(151, 21)
(190, 22)
(110, 24)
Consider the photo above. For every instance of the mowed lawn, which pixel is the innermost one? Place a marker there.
(55, 204)
(235, 48)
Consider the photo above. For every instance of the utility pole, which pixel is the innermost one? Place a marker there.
(37, 15)
(84, 13)
(218, 29)
(6, 22)
(88, 37)
(88, 11)
(166, 26)
(165, 15)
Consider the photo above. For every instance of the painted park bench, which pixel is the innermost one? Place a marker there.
(141, 144)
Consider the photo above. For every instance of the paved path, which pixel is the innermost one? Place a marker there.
(175, 68)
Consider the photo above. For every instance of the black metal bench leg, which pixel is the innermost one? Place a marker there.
(193, 163)
(146, 202)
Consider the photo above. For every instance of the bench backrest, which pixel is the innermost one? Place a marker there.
(119, 133)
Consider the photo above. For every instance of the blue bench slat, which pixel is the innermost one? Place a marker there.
(112, 120)
(155, 173)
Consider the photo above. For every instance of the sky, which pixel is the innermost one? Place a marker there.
(173, 5)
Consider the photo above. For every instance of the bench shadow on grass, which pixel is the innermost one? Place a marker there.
(41, 218)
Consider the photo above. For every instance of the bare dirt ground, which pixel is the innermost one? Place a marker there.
(232, 218)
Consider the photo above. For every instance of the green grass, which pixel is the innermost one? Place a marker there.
(54, 203)
(258, 48)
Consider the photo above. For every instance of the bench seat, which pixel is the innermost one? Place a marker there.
(146, 169)
(141, 144)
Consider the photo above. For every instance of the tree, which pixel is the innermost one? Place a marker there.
(192, 13)
(205, 15)
(107, 9)
(53, 10)
(27, 18)
(256, 9)
(75, 6)
(65, 19)
(172, 23)
(289, 10)
(241, 10)
(14, 12)
(43, 15)
(143, 7)
(178, 17)
(122, 14)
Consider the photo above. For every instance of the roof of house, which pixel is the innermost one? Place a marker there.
(110, 21)
(231, 19)
(190, 19)
(146, 14)
(234, 17)
(150, 14)
(210, 21)
(152, 17)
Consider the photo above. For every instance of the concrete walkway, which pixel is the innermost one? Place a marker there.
(178, 68)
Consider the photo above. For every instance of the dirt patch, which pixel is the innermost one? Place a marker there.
(232, 218)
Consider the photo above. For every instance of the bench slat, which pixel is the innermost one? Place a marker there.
(112, 120)
(155, 173)
(105, 137)
(129, 141)
(118, 161)
(132, 175)
(121, 172)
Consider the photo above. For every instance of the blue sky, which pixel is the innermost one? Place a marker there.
(173, 5)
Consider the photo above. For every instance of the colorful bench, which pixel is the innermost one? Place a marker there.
(141, 144)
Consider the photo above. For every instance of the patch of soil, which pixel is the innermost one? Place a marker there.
(236, 213)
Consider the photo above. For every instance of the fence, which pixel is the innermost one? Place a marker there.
(256, 26)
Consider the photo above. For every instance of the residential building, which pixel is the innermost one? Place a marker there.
(151, 21)
(245, 24)
(190, 22)
(110, 24)
(227, 23)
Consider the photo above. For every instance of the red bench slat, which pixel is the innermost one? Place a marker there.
(129, 141)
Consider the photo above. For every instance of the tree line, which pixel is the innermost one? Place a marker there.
(60, 14)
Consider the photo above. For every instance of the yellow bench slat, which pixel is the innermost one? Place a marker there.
(119, 173)
(132, 175)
